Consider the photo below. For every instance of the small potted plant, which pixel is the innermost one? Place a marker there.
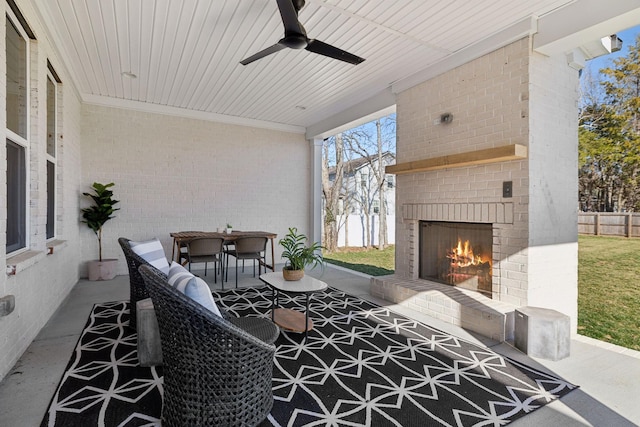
(229, 228)
(95, 216)
(298, 255)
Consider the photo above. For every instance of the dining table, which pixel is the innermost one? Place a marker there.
(180, 238)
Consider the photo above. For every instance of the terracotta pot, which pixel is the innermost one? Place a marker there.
(102, 270)
(292, 275)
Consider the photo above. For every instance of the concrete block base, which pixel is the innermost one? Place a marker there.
(542, 332)
(7, 305)
(149, 348)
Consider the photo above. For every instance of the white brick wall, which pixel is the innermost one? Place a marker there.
(174, 174)
(509, 96)
(43, 281)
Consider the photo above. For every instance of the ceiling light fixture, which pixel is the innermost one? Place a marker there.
(577, 57)
(129, 74)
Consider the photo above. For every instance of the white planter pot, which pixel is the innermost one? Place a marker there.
(102, 270)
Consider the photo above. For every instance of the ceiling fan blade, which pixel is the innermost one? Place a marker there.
(322, 48)
(289, 16)
(268, 51)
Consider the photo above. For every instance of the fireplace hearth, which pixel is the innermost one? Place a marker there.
(457, 254)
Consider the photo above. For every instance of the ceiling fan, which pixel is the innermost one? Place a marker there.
(295, 37)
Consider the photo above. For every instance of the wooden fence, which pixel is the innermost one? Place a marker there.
(609, 224)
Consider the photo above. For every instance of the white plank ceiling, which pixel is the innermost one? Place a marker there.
(186, 53)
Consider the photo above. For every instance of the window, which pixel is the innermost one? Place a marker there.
(16, 81)
(16, 197)
(51, 199)
(17, 116)
(390, 181)
(376, 206)
(51, 156)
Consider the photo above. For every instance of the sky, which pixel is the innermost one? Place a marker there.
(628, 39)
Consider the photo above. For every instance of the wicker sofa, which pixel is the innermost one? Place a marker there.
(217, 369)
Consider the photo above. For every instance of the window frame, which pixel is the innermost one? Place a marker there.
(52, 187)
(18, 139)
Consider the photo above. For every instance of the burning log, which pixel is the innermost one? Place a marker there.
(461, 266)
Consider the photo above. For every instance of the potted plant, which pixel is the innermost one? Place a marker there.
(229, 228)
(95, 216)
(298, 255)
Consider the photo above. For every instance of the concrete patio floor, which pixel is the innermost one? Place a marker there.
(608, 376)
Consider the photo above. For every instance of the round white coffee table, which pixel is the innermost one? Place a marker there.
(287, 319)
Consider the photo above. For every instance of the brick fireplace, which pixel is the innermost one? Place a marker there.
(463, 217)
(481, 310)
(507, 100)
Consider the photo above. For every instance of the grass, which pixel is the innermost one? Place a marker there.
(609, 290)
(368, 261)
(608, 284)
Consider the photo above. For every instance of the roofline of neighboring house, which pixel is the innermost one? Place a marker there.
(354, 165)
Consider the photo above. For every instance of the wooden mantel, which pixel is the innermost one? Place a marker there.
(478, 157)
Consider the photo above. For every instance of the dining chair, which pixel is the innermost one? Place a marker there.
(206, 250)
(182, 248)
(248, 248)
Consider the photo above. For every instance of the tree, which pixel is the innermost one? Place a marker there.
(358, 191)
(353, 175)
(373, 151)
(609, 137)
(331, 190)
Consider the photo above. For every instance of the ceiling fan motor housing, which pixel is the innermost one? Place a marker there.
(295, 41)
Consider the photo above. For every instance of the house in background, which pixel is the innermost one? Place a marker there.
(152, 96)
(360, 200)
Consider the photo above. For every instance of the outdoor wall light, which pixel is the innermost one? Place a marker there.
(446, 118)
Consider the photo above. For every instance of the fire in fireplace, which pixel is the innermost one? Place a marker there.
(457, 254)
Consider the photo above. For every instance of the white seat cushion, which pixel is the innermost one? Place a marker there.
(192, 286)
(152, 252)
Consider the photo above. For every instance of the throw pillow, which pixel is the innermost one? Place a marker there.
(192, 286)
(152, 252)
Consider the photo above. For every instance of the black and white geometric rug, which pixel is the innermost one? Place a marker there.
(362, 365)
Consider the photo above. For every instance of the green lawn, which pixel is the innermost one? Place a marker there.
(608, 284)
(609, 290)
(372, 261)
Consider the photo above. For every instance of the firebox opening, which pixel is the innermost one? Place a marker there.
(457, 254)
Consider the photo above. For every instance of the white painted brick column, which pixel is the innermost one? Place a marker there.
(553, 186)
